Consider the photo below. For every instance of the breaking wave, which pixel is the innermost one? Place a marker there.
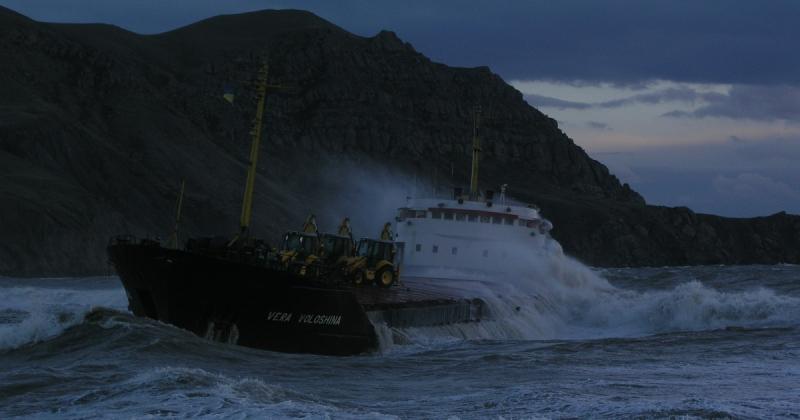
(556, 297)
(31, 314)
(547, 298)
(165, 391)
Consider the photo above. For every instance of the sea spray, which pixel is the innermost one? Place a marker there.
(32, 314)
(552, 296)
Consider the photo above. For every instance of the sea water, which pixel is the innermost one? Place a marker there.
(561, 341)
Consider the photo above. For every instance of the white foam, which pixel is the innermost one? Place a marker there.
(556, 297)
(46, 312)
(194, 392)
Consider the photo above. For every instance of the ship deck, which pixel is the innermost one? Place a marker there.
(415, 291)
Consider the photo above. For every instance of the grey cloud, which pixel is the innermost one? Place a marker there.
(598, 125)
(550, 102)
(766, 103)
(676, 94)
(754, 186)
(754, 102)
(772, 150)
(739, 178)
(733, 194)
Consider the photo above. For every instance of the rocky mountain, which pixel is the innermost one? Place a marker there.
(98, 125)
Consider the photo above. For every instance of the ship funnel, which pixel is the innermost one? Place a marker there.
(476, 154)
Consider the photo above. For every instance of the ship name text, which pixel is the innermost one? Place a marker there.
(320, 319)
(314, 319)
(280, 316)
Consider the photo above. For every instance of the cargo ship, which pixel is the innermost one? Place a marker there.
(327, 293)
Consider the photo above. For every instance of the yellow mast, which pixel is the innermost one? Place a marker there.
(476, 155)
(247, 202)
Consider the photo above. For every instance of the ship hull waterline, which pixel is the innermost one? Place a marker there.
(264, 308)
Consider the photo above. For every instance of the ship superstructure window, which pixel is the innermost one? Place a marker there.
(411, 214)
(460, 217)
(418, 247)
(523, 222)
(448, 215)
(435, 249)
(472, 217)
(436, 214)
(454, 251)
(485, 219)
(497, 220)
(509, 221)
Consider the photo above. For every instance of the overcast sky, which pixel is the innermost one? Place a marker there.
(694, 103)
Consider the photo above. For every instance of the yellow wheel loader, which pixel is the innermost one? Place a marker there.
(299, 254)
(335, 252)
(374, 262)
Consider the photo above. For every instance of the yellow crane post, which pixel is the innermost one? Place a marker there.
(476, 154)
(247, 201)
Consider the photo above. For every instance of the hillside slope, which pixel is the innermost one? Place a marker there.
(98, 125)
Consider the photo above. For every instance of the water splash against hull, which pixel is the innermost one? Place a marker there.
(556, 297)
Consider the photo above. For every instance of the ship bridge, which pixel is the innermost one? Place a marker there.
(468, 234)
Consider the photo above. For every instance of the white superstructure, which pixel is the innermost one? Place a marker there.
(470, 232)
(469, 235)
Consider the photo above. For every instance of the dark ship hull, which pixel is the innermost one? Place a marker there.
(251, 304)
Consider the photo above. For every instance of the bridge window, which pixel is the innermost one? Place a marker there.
(418, 247)
(522, 222)
(485, 219)
(455, 251)
(448, 215)
(436, 214)
(422, 214)
(435, 249)
(472, 217)
(509, 221)
(497, 220)
(460, 216)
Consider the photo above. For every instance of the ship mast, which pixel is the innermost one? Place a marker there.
(247, 201)
(476, 154)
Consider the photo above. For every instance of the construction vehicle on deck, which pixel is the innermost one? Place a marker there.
(374, 262)
(312, 254)
(299, 253)
(336, 258)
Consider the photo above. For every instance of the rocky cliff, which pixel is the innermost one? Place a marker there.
(98, 125)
